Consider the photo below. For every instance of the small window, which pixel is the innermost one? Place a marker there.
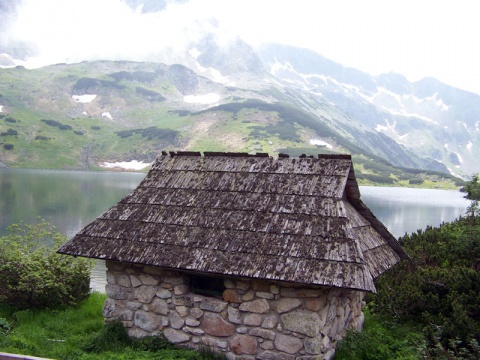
(207, 285)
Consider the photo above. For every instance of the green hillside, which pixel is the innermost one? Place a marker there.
(82, 115)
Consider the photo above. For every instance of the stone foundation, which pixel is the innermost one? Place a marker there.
(254, 320)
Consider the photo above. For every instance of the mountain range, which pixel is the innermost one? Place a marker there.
(273, 99)
(432, 119)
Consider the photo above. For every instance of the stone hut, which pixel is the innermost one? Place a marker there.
(253, 256)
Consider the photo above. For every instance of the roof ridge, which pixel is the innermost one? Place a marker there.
(335, 156)
(258, 154)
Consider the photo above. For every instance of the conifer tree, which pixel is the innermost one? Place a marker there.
(472, 190)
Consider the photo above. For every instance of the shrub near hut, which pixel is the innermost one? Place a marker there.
(442, 290)
(32, 275)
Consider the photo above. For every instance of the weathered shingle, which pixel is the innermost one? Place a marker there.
(287, 219)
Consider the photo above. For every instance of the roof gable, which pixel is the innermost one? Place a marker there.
(287, 219)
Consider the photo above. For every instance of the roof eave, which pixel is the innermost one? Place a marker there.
(352, 192)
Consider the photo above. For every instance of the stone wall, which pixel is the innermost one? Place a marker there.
(254, 320)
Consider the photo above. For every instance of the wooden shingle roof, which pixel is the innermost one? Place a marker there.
(287, 219)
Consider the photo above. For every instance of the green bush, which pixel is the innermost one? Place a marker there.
(33, 275)
(472, 190)
(112, 337)
(282, 129)
(9, 132)
(4, 326)
(58, 124)
(440, 288)
(151, 133)
(179, 112)
(153, 343)
(150, 94)
(41, 137)
(54, 123)
(83, 85)
(142, 76)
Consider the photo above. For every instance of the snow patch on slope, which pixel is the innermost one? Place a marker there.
(316, 76)
(127, 165)
(1, 108)
(321, 143)
(469, 146)
(206, 99)
(421, 117)
(216, 76)
(211, 73)
(107, 115)
(397, 103)
(433, 98)
(85, 99)
(386, 128)
(401, 99)
(390, 129)
(277, 66)
(460, 159)
(439, 102)
(302, 80)
(450, 170)
(6, 61)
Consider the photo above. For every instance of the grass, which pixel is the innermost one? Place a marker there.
(79, 333)
(383, 338)
(52, 333)
(46, 94)
(65, 149)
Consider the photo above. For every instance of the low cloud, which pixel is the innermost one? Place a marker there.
(416, 39)
(57, 31)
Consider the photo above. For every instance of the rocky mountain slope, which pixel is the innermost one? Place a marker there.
(232, 98)
(429, 118)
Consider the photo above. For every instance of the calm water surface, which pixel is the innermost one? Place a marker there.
(405, 210)
(67, 199)
(72, 199)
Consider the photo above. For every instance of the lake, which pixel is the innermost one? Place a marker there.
(72, 199)
(67, 199)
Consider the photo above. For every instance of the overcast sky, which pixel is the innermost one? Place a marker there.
(416, 38)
